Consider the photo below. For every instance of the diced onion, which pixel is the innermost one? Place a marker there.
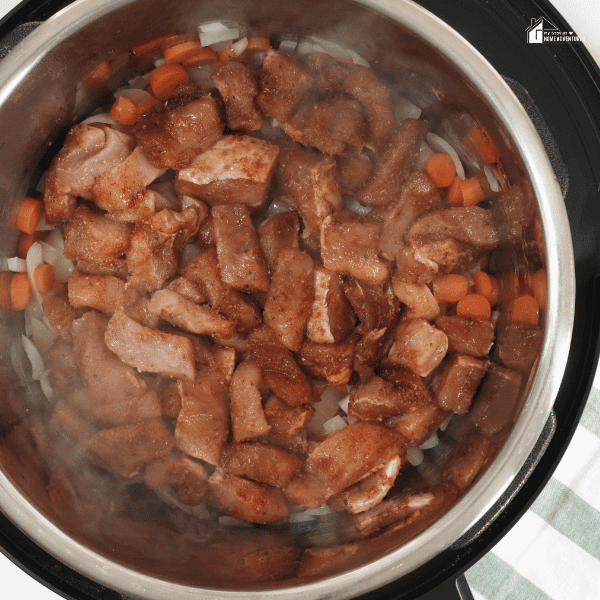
(201, 76)
(63, 269)
(493, 179)
(277, 206)
(215, 32)
(135, 94)
(18, 359)
(444, 424)
(306, 47)
(351, 203)
(160, 61)
(34, 260)
(239, 46)
(41, 335)
(431, 442)
(56, 240)
(424, 153)
(309, 514)
(46, 387)
(42, 224)
(334, 424)
(16, 264)
(50, 254)
(438, 144)
(326, 409)
(331, 48)
(405, 109)
(288, 46)
(414, 456)
(35, 358)
(100, 118)
(344, 402)
(140, 82)
(357, 59)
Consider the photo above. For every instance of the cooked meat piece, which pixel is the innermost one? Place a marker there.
(218, 359)
(418, 425)
(420, 301)
(306, 491)
(472, 337)
(69, 422)
(374, 95)
(418, 346)
(514, 211)
(117, 188)
(287, 424)
(317, 562)
(87, 152)
(283, 82)
(135, 305)
(188, 124)
(184, 224)
(102, 292)
(290, 297)
(238, 249)
(307, 181)
(328, 72)
(518, 346)
(188, 315)
(248, 419)
(61, 363)
(59, 312)
(123, 451)
(248, 500)
(349, 247)
(496, 404)
(151, 259)
(353, 453)
(92, 236)
(170, 399)
(419, 196)
(188, 289)
(203, 421)
(143, 206)
(276, 232)
(456, 382)
(376, 306)
(369, 492)
(379, 398)
(116, 268)
(333, 363)
(353, 171)
(467, 459)
(204, 237)
(281, 373)
(260, 462)
(204, 271)
(331, 316)
(369, 350)
(238, 90)
(149, 350)
(237, 169)
(187, 478)
(394, 164)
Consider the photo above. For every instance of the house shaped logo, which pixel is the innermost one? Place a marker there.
(535, 32)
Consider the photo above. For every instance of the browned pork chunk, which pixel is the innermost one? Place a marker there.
(248, 419)
(306, 491)
(466, 460)
(333, 363)
(418, 298)
(518, 346)
(353, 171)
(125, 450)
(280, 371)
(92, 236)
(328, 72)
(149, 350)
(188, 289)
(59, 311)
(283, 82)
(238, 90)
(419, 424)
(188, 124)
(88, 152)
(375, 306)
(203, 421)
(237, 169)
(290, 297)
(349, 247)
(183, 225)
(102, 292)
(287, 424)
(248, 500)
(352, 453)
(276, 232)
(116, 268)
(241, 259)
(471, 337)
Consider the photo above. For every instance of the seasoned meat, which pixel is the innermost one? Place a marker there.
(71, 423)
(376, 306)
(353, 171)
(306, 491)
(328, 72)
(220, 359)
(331, 316)
(418, 298)
(61, 363)
(290, 296)
(418, 424)
(183, 225)
(518, 346)
(418, 346)
(150, 350)
(283, 82)
(349, 247)
(241, 259)
(116, 268)
(238, 90)
(248, 500)
(203, 421)
(92, 236)
(281, 373)
(188, 289)
(333, 363)
(277, 232)
(248, 420)
(287, 424)
(369, 350)
(87, 152)
(59, 312)
(466, 460)
(188, 124)
(472, 337)
(514, 211)
(237, 169)
(102, 292)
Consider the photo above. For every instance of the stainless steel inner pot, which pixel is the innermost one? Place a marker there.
(43, 92)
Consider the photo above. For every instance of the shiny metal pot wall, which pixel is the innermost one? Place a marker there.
(43, 91)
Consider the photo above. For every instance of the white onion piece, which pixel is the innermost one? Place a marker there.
(331, 48)
(34, 260)
(438, 144)
(215, 32)
(35, 358)
(42, 224)
(187, 253)
(100, 118)
(334, 424)
(288, 46)
(201, 76)
(344, 402)
(135, 94)
(160, 61)
(49, 253)
(424, 153)
(63, 269)
(47, 387)
(277, 206)
(357, 59)
(309, 514)
(56, 240)
(140, 82)
(326, 409)
(430, 442)
(405, 109)
(444, 424)
(495, 182)
(41, 335)
(306, 47)
(16, 264)
(18, 358)
(239, 46)
(351, 203)
(414, 456)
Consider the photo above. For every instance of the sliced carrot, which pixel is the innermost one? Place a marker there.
(454, 195)
(450, 288)
(100, 75)
(5, 278)
(539, 287)
(203, 56)
(175, 40)
(26, 241)
(151, 46)
(182, 51)
(482, 144)
(525, 310)
(146, 104)
(475, 306)
(29, 214)
(44, 278)
(165, 78)
(486, 285)
(20, 291)
(440, 168)
(258, 44)
(230, 53)
(124, 111)
(472, 192)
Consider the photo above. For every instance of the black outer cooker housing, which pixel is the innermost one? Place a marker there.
(559, 85)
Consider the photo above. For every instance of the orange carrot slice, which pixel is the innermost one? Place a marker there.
(475, 306)
(441, 169)
(26, 241)
(165, 78)
(29, 214)
(539, 287)
(182, 51)
(454, 195)
(525, 310)
(20, 291)
(472, 191)
(124, 111)
(486, 285)
(44, 278)
(203, 56)
(145, 105)
(450, 288)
